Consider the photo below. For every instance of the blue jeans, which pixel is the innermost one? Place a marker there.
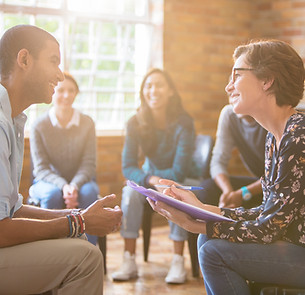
(50, 196)
(132, 206)
(226, 266)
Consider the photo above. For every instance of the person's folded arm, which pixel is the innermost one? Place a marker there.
(87, 168)
(224, 145)
(183, 157)
(130, 157)
(41, 163)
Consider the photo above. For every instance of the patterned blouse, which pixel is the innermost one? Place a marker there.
(281, 216)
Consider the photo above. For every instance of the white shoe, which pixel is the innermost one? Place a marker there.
(177, 272)
(128, 269)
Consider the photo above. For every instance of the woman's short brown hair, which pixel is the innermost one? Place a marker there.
(71, 78)
(275, 59)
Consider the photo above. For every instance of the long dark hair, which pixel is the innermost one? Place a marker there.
(145, 118)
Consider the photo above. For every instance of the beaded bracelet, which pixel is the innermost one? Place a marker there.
(70, 226)
(76, 224)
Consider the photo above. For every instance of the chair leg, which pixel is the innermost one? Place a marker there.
(146, 227)
(192, 242)
(103, 247)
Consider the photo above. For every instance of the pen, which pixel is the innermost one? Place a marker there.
(186, 187)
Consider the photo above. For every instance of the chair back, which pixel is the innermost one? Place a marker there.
(203, 153)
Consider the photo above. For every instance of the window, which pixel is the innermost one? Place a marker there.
(108, 46)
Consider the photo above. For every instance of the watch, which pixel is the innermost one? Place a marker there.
(246, 193)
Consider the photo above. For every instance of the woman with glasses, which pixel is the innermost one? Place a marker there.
(265, 244)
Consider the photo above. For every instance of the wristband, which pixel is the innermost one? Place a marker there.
(246, 193)
(77, 225)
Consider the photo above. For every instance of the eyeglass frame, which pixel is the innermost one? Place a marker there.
(239, 69)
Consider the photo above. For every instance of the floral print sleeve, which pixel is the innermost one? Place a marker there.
(282, 213)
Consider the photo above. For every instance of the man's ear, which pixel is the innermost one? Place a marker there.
(267, 84)
(23, 58)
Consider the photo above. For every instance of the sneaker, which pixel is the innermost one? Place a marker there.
(128, 269)
(177, 272)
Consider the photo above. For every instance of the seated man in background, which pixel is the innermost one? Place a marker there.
(244, 133)
(39, 248)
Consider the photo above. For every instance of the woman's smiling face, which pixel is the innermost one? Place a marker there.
(244, 88)
(156, 91)
(65, 94)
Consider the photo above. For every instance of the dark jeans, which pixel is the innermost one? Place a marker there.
(211, 192)
(227, 266)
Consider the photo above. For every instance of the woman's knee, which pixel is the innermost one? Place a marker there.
(177, 233)
(51, 197)
(131, 198)
(88, 194)
(208, 250)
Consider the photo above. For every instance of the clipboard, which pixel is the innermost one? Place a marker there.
(195, 212)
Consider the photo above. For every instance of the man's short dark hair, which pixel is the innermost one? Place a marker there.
(18, 37)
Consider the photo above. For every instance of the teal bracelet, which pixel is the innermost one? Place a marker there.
(246, 195)
(70, 226)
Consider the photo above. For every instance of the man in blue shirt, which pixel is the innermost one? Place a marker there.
(35, 255)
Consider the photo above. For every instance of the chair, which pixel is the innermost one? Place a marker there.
(202, 155)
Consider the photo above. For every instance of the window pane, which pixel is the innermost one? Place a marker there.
(116, 7)
(11, 20)
(49, 3)
(20, 2)
(108, 50)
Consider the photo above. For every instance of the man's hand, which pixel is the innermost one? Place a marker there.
(100, 219)
(231, 199)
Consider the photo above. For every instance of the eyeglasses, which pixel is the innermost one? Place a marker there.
(233, 77)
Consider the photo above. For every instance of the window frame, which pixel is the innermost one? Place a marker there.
(65, 18)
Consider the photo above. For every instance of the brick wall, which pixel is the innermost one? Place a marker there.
(199, 39)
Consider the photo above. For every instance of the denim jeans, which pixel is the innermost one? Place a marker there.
(227, 266)
(50, 196)
(133, 206)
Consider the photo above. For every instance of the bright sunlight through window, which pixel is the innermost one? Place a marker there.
(107, 45)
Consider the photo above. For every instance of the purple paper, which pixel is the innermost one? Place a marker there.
(193, 211)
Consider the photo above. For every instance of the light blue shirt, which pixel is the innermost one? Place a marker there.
(11, 156)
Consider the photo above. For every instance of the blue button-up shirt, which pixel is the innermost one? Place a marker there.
(11, 156)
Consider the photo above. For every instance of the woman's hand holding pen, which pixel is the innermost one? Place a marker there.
(180, 194)
(180, 218)
(153, 180)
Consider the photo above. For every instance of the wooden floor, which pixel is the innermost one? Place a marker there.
(151, 273)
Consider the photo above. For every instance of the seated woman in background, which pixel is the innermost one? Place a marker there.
(265, 244)
(63, 151)
(165, 135)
